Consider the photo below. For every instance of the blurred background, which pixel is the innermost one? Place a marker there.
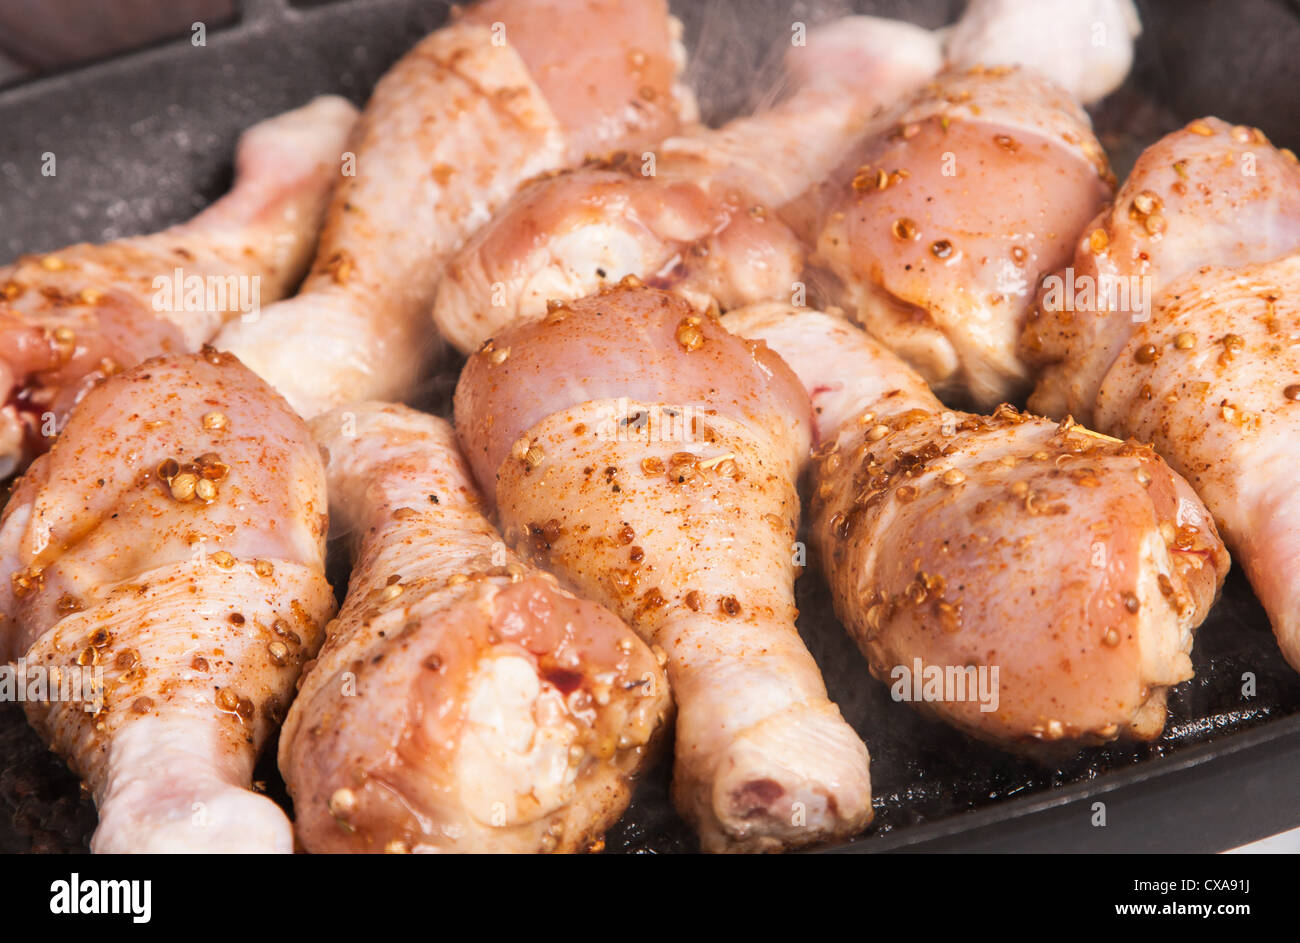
(1235, 58)
(44, 35)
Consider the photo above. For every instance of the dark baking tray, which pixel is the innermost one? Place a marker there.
(145, 140)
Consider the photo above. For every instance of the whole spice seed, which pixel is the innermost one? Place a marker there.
(904, 229)
(27, 581)
(689, 334)
(342, 801)
(1147, 353)
(1146, 202)
(869, 178)
(183, 486)
(211, 467)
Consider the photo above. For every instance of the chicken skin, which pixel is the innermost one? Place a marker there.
(1207, 194)
(71, 317)
(648, 457)
(170, 545)
(1198, 353)
(1085, 46)
(509, 90)
(701, 216)
(462, 701)
(1055, 575)
(894, 210)
(939, 223)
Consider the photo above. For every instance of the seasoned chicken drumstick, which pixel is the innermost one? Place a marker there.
(1190, 341)
(940, 222)
(648, 457)
(71, 317)
(509, 90)
(1207, 194)
(901, 213)
(702, 218)
(1073, 565)
(171, 544)
(462, 701)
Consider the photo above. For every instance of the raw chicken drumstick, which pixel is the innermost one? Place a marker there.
(727, 216)
(1085, 46)
(172, 543)
(510, 90)
(1208, 194)
(702, 219)
(649, 457)
(1076, 565)
(462, 701)
(71, 317)
(940, 222)
(1198, 353)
